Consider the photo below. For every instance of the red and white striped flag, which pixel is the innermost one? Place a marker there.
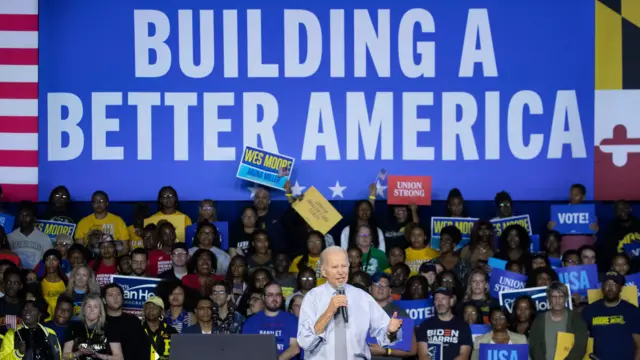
(19, 99)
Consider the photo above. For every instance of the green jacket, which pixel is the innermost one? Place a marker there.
(575, 326)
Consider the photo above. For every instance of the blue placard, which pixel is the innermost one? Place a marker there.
(136, 291)
(6, 221)
(632, 249)
(465, 225)
(580, 278)
(555, 262)
(54, 228)
(418, 310)
(502, 280)
(496, 263)
(633, 279)
(403, 344)
(573, 219)
(223, 230)
(265, 168)
(504, 352)
(500, 224)
(535, 244)
(538, 294)
(479, 330)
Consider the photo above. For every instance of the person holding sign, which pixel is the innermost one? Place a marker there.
(543, 337)
(499, 334)
(452, 332)
(326, 310)
(614, 324)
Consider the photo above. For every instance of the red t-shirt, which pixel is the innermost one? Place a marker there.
(104, 272)
(193, 281)
(159, 262)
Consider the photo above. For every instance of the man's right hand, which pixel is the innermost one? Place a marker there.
(336, 302)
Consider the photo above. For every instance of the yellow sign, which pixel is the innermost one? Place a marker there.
(629, 294)
(177, 220)
(317, 211)
(565, 343)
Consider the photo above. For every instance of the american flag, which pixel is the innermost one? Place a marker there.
(382, 175)
(19, 99)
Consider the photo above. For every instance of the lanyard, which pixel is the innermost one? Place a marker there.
(153, 343)
(89, 337)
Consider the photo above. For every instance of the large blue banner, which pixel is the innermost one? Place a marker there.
(504, 352)
(418, 310)
(136, 291)
(171, 92)
(538, 294)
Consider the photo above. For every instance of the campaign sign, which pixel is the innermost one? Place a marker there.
(502, 280)
(223, 230)
(6, 221)
(538, 294)
(265, 168)
(632, 249)
(500, 224)
(435, 350)
(418, 310)
(555, 262)
(573, 219)
(54, 228)
(136, 291)
(406, 190)
(633, 279)
(465, 225)
(535, 244)
(580, 278)
(479, 330)
(504, 352)
(403, 344)
(496, 263)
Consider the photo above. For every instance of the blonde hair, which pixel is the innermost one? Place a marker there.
(468, 294)
(92, 284)
(103, 314)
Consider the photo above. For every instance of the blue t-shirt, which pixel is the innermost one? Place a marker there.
(283, 326)
(612, 328)
(58, 329)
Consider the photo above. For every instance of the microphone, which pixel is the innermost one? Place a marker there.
(343, 309)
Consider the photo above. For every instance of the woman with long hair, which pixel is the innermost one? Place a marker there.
(82, 282)
(179, 301)
(105, 263)
(373, 259)
(158, 332)
(514, 244)
(478, 293)
(207, 237)
(59, 206)
(260, 255)
(523, 314)
(311, 258)
(54, 282)
(416, 288)
(237, 278)
(88, 339)
(349, 235)
(481, 248)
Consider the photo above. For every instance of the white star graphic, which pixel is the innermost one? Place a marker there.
(296, 189)
(380, 189)
(253, 190)
(337, 190)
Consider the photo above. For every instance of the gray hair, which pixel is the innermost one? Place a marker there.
(330, 250)
(557, 286)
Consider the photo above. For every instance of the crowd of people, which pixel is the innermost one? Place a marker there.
(58, 300)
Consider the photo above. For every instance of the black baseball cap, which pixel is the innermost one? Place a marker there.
(616, 277)
(427, 267)
(444, 291)
(179, 245)
(375, 278)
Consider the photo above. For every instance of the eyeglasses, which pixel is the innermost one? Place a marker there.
(166, 196)
(62, 244)
(218, 292)
(207, 208)
(306, 279)
(380, 286)
(181, 253)
(60, 196)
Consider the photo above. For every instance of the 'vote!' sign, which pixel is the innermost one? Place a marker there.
(502, 280)
(406, 190)
(504, 352)
(418, 310)
(573, 219)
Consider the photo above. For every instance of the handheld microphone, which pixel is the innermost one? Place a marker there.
(343, 309)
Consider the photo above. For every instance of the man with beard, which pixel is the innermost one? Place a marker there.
(273, 320)
(445, 333)
(133, 339)
(614, 323)
(139, 262)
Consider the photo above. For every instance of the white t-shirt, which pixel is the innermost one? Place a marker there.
(29, 248)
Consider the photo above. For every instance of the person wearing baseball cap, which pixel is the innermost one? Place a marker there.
(614, 324)
(179, 259)
(451, 331)
(158, 332)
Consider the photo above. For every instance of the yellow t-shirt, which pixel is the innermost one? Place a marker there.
(314, 263)
(111, 224)
(50, 292)
(135, 241)
(415, 258)
(187, 220)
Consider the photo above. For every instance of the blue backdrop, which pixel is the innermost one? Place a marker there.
(98, 66)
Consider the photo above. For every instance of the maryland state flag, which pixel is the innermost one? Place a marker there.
(617, 100)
